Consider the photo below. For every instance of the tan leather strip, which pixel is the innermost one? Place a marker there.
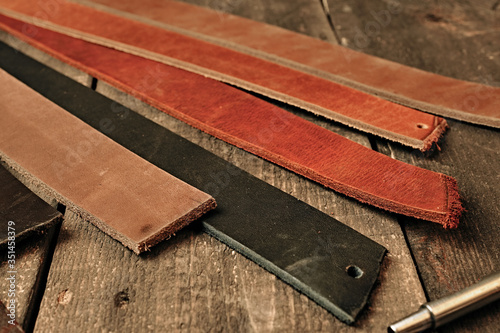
(127, 197)
(467, 101)
(362, 111)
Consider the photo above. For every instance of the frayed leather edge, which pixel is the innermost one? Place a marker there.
(455, 207)
(433, 138)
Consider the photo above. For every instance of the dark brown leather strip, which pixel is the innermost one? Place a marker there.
(263, 129)
(127, 197)
(22, 213)
(467, 101)
(282, 234)
(360, 110)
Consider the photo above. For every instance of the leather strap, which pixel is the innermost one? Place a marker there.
(329, 99)
(264, 130)
(125, 196)
(22, 213)
(467, 101)
(282, 234)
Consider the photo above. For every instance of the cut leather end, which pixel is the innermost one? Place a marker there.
(441, 126)
(455, 207)
(167, 232)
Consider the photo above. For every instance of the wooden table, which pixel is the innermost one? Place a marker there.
(78, 279)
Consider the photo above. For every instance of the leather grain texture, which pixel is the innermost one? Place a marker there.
(466, 101)
(263, 129)
(282, 234)
(323, 97)
(125, 196)
(21, 210)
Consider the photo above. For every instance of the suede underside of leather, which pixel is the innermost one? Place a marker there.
(284, 235)
(329, 99)
(467, 101)
(127, 197)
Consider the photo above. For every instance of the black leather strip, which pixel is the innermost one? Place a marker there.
(311, 251)
(22, 213)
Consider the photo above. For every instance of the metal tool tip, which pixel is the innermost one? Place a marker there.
(416, 322)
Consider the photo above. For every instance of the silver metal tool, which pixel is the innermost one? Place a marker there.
(441, 311)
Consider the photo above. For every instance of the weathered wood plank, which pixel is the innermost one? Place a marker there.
(449, 260)
(303, 16)
(458, 39)
(452, 38)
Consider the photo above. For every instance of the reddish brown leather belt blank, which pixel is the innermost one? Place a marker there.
(127, 197)
(467, 101)
(263, 129)
(332, 100)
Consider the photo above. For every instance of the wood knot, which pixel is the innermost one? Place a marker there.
(64, 297)
(122, 298)
(434, 18)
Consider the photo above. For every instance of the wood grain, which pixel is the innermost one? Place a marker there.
(457, 39)
(452, 38)
(302, 16)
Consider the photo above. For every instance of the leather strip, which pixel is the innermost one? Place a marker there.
(329, 99)
(282, 234)
(263, 129)
(466, 101)
(21, 211)
(128, 198)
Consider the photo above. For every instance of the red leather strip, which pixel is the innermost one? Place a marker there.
(127, 197)
(329, 99)
(467, 101)
(261, 128)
